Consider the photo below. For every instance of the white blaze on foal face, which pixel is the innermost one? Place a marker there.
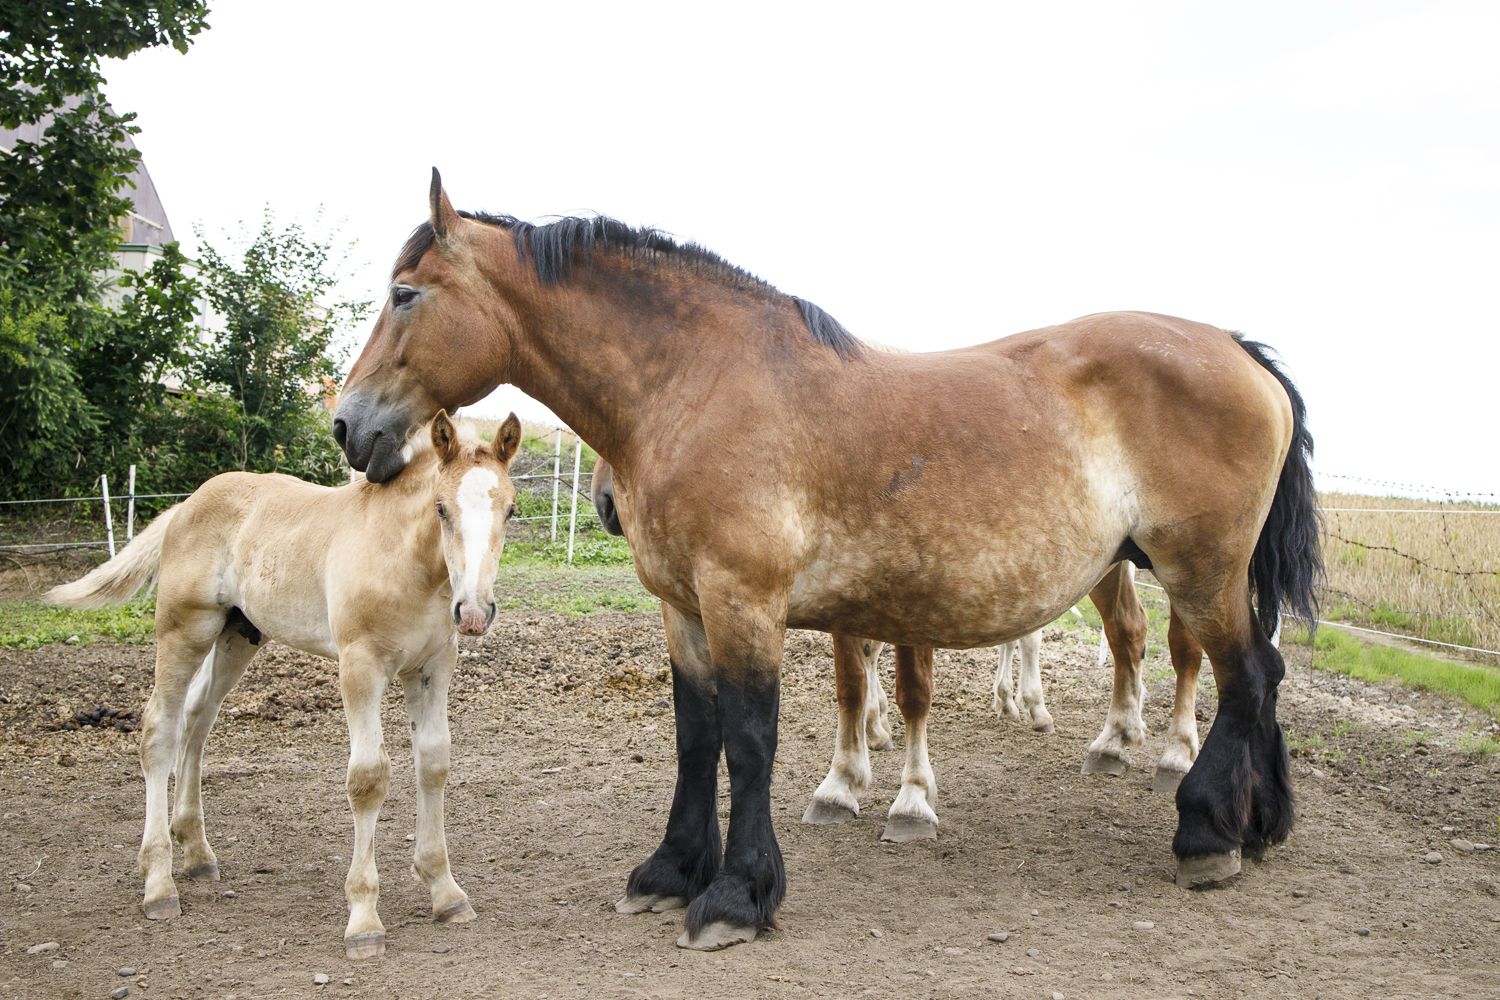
(473, 537)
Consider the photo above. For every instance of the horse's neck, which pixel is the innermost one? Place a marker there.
(606, 360)
(403, 525)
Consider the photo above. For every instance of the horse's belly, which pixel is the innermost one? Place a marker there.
(289, 608)
(955, 599)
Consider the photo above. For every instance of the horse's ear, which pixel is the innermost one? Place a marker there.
(507, 439)
(444, 437)
(444, 218)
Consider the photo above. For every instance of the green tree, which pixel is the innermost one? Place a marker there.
(60, 205)
(259, 376)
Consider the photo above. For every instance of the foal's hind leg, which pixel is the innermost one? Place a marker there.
(912, 816)
(1182, 735)
(1002, 695)
(1125, 627)
(877, 705)
(181, 645)
(363, 679)
(220, 672)
(837, 798)
(426, 693)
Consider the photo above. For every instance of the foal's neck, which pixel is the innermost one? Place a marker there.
(404, 518)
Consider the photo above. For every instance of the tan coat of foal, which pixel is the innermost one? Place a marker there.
(380, 577)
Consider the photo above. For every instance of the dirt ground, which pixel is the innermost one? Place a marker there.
(562, 774)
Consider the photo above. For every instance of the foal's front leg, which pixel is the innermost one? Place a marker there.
(363, 679)
(426, 692)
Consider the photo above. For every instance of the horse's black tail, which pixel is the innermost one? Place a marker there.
(1288, 562)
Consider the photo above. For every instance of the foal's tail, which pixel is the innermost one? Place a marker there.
(1288, 562)
(124, 576)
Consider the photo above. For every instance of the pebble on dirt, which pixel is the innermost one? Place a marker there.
(1033, 952)
(1000, 937)
(1433, 858)
(120, 994)
(43, 948)
(1144, 925)
(876, 932)
(1461, 845)
(125, 971)
(321, 979)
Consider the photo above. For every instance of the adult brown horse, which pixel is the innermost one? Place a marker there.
(766, 491)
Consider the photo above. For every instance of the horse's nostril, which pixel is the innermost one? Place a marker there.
(340, 432)
(457, 615)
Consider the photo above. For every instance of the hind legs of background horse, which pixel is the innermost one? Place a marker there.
(1238, 795)
(1033, 704)
(220, 672)
(1125, 628)
(837, 798)
(180, 652)
(913, 815)
(426, 694)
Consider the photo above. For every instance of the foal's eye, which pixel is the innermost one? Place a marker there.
(442, 511)
(401, 295)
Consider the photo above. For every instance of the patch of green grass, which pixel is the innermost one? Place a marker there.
(1338, 651)
(571, 590)
(30, 624)
(594, 548)
(1478, 744)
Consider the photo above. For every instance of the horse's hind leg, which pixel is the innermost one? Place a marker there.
(912, 816)
(1031, 682)
(1125, 627)
(426, 693)
(181, 647)
(837, 798)
(877, 705)
(220, 672)
(1238, 794)
(1182, 734)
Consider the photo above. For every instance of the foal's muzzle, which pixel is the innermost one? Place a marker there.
(469, 620)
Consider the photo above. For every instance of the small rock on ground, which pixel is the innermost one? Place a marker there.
(876, 932)
(999, 938)
(1433, 858)
(59, 963)
(955, 952)
(1461, 845)
(120, 994)
(1362, 931)
(125, 970)
(43, 948)
(1032, 952)
(1144, 925)
(321, 979)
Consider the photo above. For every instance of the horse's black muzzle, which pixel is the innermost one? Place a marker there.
(371, 437)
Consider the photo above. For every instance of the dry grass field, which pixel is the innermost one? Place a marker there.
(1433, 575)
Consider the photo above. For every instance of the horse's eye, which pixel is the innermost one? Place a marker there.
(401, 295)
(442, 511)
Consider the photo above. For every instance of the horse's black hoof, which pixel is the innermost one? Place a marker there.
(1207, 869)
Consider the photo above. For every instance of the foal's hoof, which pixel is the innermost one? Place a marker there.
(163, 909)
(903, 829)
(1099, 762)
(717, 935)
(1206, 869)
(362, 946)
(460, 912)
(649, 903)
(882, 744)
(1166, 780)
(1041, 725)
(821, 813)
(206, 872)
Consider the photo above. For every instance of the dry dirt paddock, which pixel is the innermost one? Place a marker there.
(562, 773)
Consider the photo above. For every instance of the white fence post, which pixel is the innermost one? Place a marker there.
(556, 479)
(109, 520)
(573, 507)
(130, 507)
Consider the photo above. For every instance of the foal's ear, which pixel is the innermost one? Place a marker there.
(444, 437)
(507, 439)
(444, 218)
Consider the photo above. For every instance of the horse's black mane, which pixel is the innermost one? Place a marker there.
(555, 248)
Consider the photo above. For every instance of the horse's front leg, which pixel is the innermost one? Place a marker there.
(837, 798)
(363, 679)
(689, 855)
(426, 692)
(746, 640)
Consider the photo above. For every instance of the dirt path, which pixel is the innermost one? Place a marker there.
(562, 775)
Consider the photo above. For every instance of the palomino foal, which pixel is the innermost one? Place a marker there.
(380, 577)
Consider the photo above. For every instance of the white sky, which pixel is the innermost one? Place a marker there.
(1324, 177)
